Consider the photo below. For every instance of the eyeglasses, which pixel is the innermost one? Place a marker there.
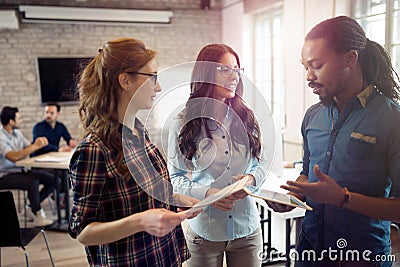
(153, 76)
(227, 71)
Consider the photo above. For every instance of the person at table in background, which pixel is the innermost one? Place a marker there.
(53, 130)
(13, 147)
(214, 142)
(122, 210)
(351, 140)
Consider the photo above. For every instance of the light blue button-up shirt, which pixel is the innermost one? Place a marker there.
(10, 142)
(359, 149)
(213, 166)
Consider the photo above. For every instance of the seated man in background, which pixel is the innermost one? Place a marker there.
(53, 131)
(13, 147)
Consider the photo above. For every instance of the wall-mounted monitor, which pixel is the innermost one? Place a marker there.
(57, 78)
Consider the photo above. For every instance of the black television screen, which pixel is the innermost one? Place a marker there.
(57, 78)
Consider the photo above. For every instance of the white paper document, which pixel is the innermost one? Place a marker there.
(281, 198)
(48, 158)
(277, 197)
(229, 190)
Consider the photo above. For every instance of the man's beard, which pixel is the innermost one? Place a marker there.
(326, 101)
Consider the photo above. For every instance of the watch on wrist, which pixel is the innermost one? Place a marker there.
(346, 199)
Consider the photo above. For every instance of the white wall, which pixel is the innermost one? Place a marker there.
(295, 86)
(232, 25)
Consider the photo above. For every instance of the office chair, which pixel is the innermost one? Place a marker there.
(22, 210)
(11, 235)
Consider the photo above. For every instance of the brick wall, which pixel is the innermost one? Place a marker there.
(177, 42)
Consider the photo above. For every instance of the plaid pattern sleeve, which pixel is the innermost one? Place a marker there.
(101, 195)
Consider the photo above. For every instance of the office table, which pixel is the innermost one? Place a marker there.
(271, 254)
(59, 162)
(270, 217)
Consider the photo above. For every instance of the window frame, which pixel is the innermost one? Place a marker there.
(389, 44)
(275, 86)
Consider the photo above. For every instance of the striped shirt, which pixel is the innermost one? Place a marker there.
(102, 195)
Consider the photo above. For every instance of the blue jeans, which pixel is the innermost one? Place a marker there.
(30, 181)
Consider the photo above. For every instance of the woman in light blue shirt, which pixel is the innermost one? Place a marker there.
(214, 142)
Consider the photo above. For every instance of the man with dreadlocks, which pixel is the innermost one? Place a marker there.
(351, 163)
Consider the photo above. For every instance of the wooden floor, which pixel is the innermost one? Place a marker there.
(68, 252)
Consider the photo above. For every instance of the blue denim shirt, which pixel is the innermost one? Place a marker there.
(214, 167)
(359, 149)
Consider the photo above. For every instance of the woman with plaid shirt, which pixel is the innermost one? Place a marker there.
(124, 210)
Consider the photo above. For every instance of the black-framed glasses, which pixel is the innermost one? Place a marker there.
(153, 76)
(227, 72)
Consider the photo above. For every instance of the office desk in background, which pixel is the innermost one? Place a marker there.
(59, 163)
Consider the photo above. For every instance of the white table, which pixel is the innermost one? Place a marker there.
(278, 224)
(59, 162)
(51, 160)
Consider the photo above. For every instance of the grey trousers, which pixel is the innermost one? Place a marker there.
(239, 252)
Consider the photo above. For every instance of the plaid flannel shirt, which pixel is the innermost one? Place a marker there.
(101, 195)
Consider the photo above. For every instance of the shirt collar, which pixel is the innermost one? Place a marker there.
(127, 132)
(364, 95)
(6, 133)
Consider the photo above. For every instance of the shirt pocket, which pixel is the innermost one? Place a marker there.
(361, 146)
(194, 241)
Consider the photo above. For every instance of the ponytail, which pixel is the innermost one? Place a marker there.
(378, 71)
